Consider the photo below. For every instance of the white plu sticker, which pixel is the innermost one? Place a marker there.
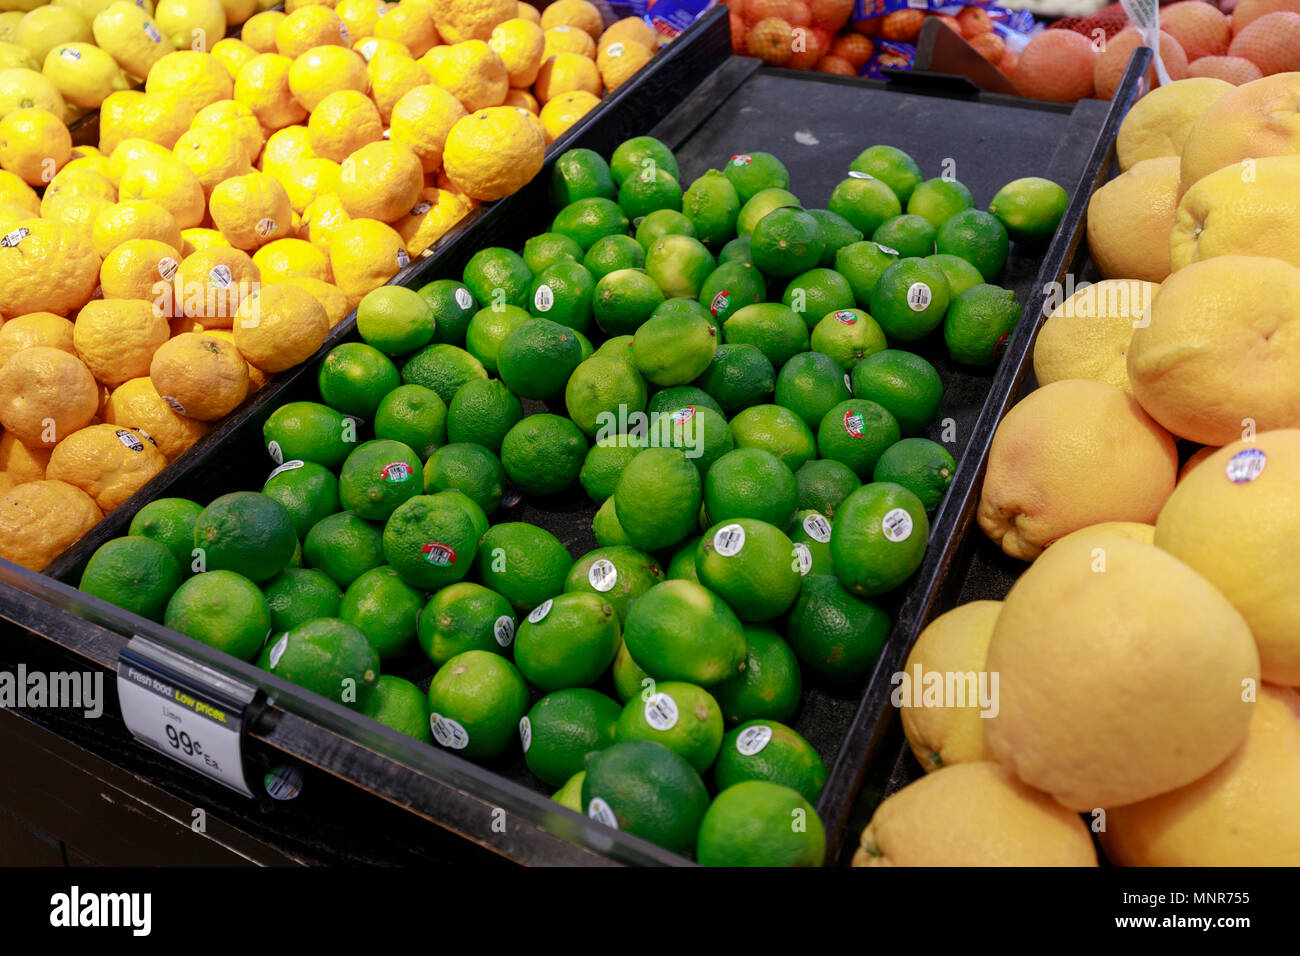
(804, 556)
(464, 299)
(403, 259)
(729, 539)
(12, 239)
(421, 207)
(598, 809)
(167, 267)
(70, 53)
(543, 298)
(897, 525)
(287, 466)
(540, 612)
(919, 296)
(614, 50)
(525, 733)
(174, 405)
(278, 650)
(503, 629)
(129, 439)
(751, 740)
(345, 34)
(1245, 466)
(448, 732)
(603, 575)
(818, 528)
(272, 447)
(661, 712)
(152, 33)
(265, 227)
(858, 174)
(888, 249)
(370, 46)
(220, 276)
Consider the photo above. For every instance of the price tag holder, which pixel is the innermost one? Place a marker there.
(191, 712)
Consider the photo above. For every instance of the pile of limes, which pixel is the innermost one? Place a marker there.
(711, 367)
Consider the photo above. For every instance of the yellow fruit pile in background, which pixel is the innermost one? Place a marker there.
(244, 195)
(1147, 660)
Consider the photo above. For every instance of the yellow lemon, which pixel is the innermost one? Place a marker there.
(239, 11)
(574, 13)
(308, 178)
(360, 16)
(519, 43)
(619, 60)
(410, 26)
(342, 123)
(422, 119)
(364, 254)
(373, 48)
(199, 376)
(460, 20)
(526, 11)
(380, 181)
(88, 157)
(22, 89)
(35, 328)
(1260, 118)
(566, 39)
(192, 240)
(116, 338)
(474, 73)
(291, 258)
(84, 74)
(392, 76)
(566, 73)
(10, 19)
(430, 219)
(34, 144)
(324, 69)
(252, 210)
(211, 283)
(108, 462)
(1247, 211)
(1078, 716)
(630, 30)
(213, 155)
(321, 219)
(309, 27)
(158, 117)
(46, 267)
(40, 520)
(259, 30)
(168, 182)
(45, 394)
(127, 152)
(47, 27)
(11, 55)
(1131, 219)
(1068, 455)
(1134, 530)
(1087, 335)
(137, 404)
(263, 86)
(284, 148)
(493, 153)
(1158, 123)
(131, 36)
(134, 219)
(279, 326)
(330, 296)
(191, 24)
(565, 110)
(20, 462)
(523, 100)
(237, 120)
(15, 192)
(139, 269)
(232, 53)
(200, 77)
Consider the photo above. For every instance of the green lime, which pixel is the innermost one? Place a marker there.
(837, 232)
(379, 476)
(585, 222)
(679, 265)
(562, 293)
(453, 306)
(599, 390)
(399, 704)
(638, 154)
(777, 430)
(570, 795)
(961, 275)
(751, 565)
(385, 609)
(814, 293)
(308, 491)
(862, 264)
(730, 287)
(619, 575)
(847, 336)
(580, 174)
(890, 165)
(354, 378)
(605, 527)
(603, 465)
(697, 431)
(977, 237)
(680, 630)
(660, 223)
(769, 685)
(309, 431)
(739, 376)
(344, 547)
(395, 320)
(921, 466)
(751, 173)
(910, 299)
(978, 322)
(524, 563)
(415, 416)
(737, 250)
(137, 574)
(767, 750)
(904, 383)
(657, 498)
(786, 242)
(567, 641)
(543, 454)
(562, 728)
(834, 632)
(1030, 208)
(482, 411)
(465, 617)
(547, 249)
(497, 276)
(687, 306)
(824, 484)
(624, 299)
(430, 542)
(488, 330)
(938, 200)
(476, 701)
(537, 359)
(629, 679)
(245, 531)
(673, 348)
(668, 400)
(586, 349)
(856, 432)
(648, 190)
(612, 253)
(760, 204)
(643, 788)
(879, 538)
(750, 825)
(222, 609)
(298, 595)
(170, 522)
(776, 330)
(908, 236)
(470, 469)
(712, 204)
(682, 566)
(683, 717)
(864, 203)
(811, 533)
(472, 509)
(810, 384)
(443, 368)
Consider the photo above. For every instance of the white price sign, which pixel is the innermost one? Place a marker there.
(181, 708)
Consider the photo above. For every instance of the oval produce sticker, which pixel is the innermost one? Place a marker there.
(729, 539)
(503, 629)
(439, 554)
(525, 733)
(539, 613)
(919, 296)
(601, 812)
(602, 575)
(897, 525)
(818, 528)
(751, 740)
(448, 732)
(398, 471)
(1245, 466)
(661, 712)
